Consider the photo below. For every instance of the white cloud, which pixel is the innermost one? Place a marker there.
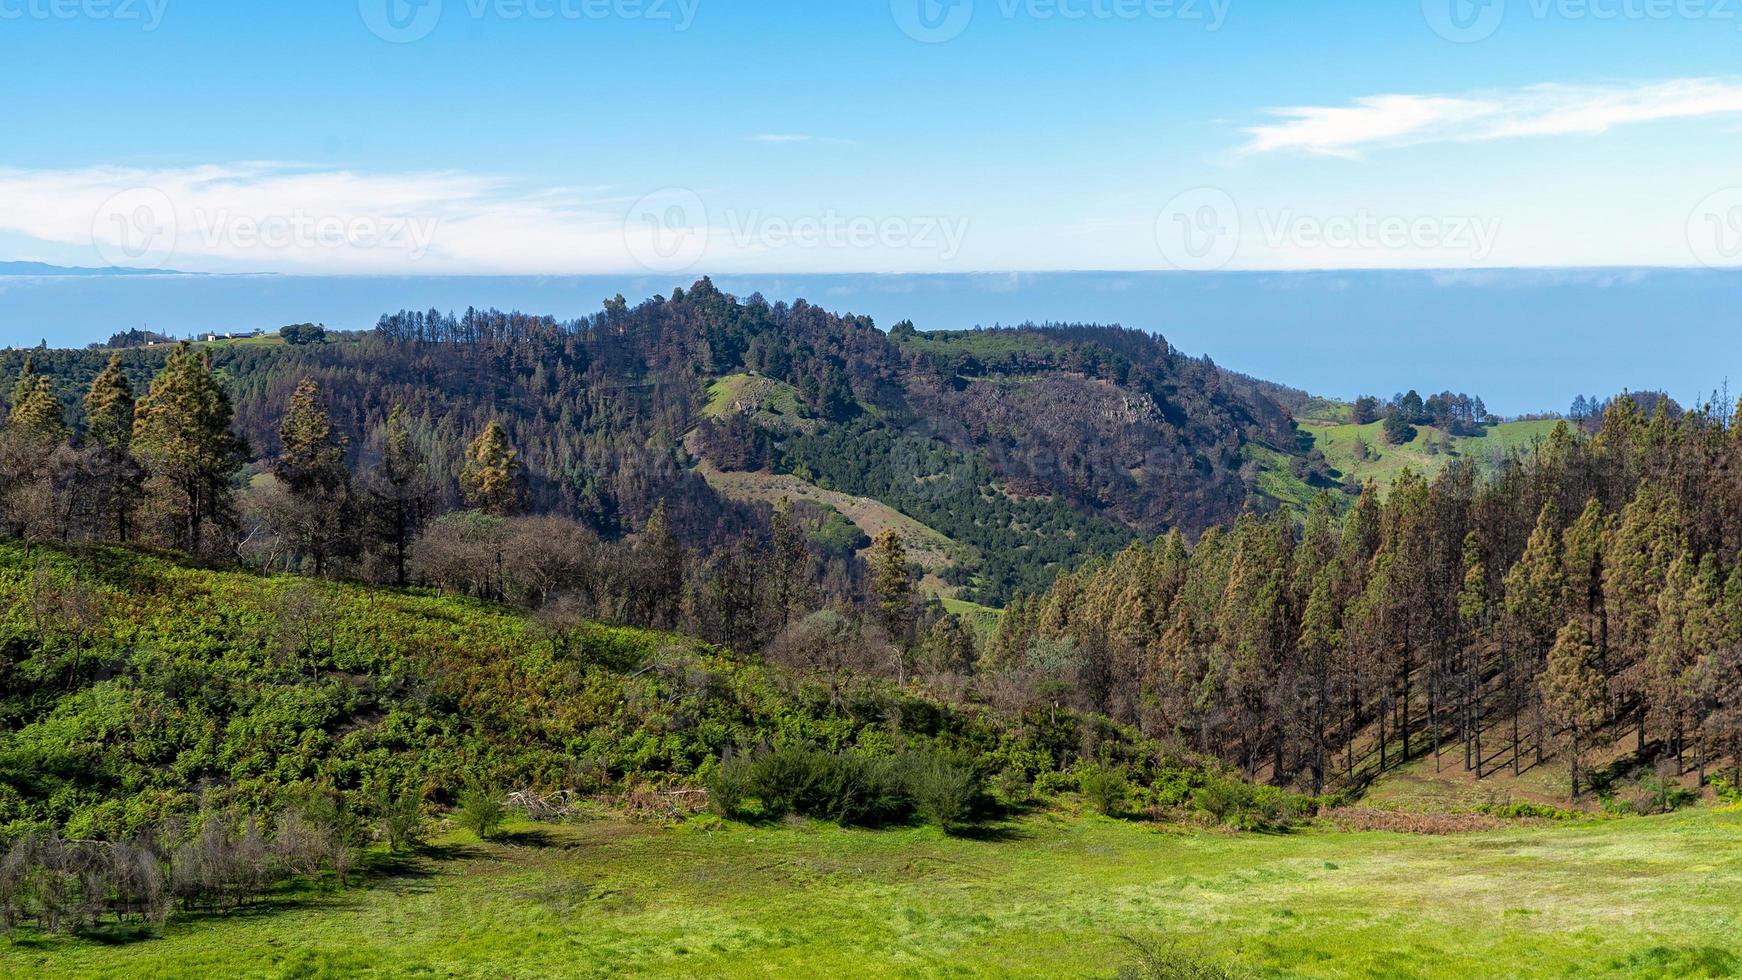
(1381, 121)
(278, 217)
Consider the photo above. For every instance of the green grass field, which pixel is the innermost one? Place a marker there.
(1386, 463)
(1047, 895)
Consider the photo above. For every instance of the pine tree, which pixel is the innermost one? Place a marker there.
(892, 586)
(659, 572)
(491, 475)
(1637, 558)
(948, 647)
(311, 467)
(109, 408)
(1475, 616)
(35, 428)
(400, 495)
(181, 435)
(1532, 606)
(37, 421)
(1582, 574)
(1574, 690)
(790, 568)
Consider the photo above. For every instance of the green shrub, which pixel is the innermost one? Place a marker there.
(944, 788)
(481, 810)
(1728, 792)
(1221, 800)
(1105, 788)
(1047, 782)
(1169, 962)
(1013, 787)
(402, 823)
(730, 785)
(1243, 806)
(844, 787)
(1527, 811)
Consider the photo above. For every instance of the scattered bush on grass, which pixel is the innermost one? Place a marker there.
(1013, 787)
(402, 826)
(214, 861)
(481, 810)
(1105, 788)
(1243, 806)
(1170, 962)
(1528, 811)
(945, 788)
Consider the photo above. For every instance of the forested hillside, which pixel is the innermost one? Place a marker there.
(1584, 601)
(1036, 447)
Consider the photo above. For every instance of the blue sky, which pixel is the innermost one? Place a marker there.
(671, 135)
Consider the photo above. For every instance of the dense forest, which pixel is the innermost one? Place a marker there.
(1046, 438)
(1585, 597)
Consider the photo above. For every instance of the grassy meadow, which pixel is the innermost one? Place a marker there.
(1045, 895)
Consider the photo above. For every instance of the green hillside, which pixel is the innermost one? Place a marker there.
(1426, 453)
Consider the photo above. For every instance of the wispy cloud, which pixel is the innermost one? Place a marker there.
(286, 217)
(1382, 121)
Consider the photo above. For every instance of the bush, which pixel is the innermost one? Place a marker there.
(1104, 788)
(1013, 787)
(730, 785)
(944, 788)
(402, 824)
(1242, 806)
(1527, 811)
(843, 787)
(481, 810)
(1172, 963)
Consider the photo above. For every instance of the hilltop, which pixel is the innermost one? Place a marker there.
(1029, 449)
